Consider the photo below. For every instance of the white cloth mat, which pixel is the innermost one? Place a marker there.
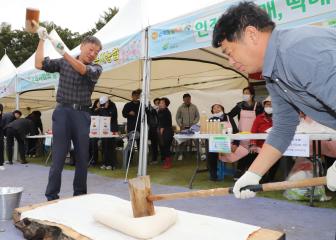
(77, 213)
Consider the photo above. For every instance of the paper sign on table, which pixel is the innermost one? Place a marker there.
(105, 126)
(100, 126)
(299, 146)
(220, 144)
(95, 126)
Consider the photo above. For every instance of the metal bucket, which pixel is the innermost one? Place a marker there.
(9, 200)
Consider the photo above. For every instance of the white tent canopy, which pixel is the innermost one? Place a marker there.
(6, 67)
(123, 41)
(36, 87)
(7, 72)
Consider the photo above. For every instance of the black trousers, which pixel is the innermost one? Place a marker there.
(93, 150)
(69, 124)
(1, 147)
(11, 134)
(166, 140)
(109, 152)
(245, 162)
(153, 136)
(212, 158)
(32, 144)
(137, 142)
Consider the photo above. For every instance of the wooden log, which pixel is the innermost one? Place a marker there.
(38, 229)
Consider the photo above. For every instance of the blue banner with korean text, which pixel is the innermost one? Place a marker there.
(121, 52)
(195, 30)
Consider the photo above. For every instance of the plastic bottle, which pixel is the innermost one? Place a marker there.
(210, 126)
(203, 122)
(222, 128)
(218, 126)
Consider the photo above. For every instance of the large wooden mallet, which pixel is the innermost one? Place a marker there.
(32, 20)
(142, 198)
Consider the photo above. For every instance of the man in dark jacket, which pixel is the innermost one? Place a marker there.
(35, 117)
(10, 117)
(130, 111)
(18, 129)
(108, 109)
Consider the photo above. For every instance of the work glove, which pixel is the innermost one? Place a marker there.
(42, 33)
(331, 178)
(249, 178)
(58, 45)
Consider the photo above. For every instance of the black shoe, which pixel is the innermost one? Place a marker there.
(10, 162)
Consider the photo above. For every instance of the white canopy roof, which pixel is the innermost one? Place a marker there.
(49, 51)
(37, 98)
(203, 68)
(6, 67)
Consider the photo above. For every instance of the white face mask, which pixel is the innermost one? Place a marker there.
(268, 110)
(246, 97)
(217, 114)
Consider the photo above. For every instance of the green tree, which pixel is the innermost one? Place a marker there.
(20, 45)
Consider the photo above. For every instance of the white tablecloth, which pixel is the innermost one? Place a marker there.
(77, 214)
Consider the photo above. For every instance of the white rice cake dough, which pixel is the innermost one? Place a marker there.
(122, 220)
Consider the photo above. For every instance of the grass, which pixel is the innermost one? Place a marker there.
(180, 175)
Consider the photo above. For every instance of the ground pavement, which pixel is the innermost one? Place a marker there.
(297, 221)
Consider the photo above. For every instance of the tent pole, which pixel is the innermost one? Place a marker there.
(142, 167)
(17, 101)
(17, 94)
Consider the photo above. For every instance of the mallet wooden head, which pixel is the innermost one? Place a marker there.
(140, 189)
(32, 20)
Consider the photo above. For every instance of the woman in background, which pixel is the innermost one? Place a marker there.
(218, 113)
(246, 110)
(165, 132)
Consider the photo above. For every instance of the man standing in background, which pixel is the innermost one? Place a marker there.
(130, 112)
(186, 116)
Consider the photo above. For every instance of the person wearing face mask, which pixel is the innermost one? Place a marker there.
(263, 124)
(218, 113)
(246, 111)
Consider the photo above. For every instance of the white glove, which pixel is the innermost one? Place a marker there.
(58, 45)
(331, 178)
(249, 178)
(42, 33)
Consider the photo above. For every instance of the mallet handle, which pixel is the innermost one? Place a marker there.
(276, 186)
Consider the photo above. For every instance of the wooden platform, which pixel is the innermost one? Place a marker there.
(36, 229)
